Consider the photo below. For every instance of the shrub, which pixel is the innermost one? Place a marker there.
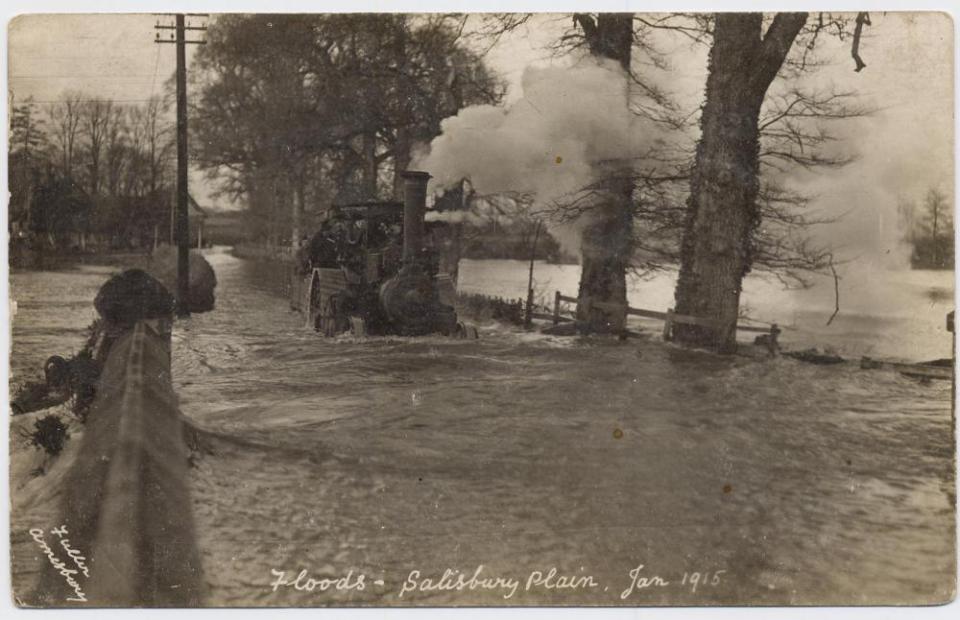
(49, 434)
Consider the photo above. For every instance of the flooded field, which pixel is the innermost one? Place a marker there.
(889, 314)
(771, 480)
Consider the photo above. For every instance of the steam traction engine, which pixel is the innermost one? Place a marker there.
(370, 270)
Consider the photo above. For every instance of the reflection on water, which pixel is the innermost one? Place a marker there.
(523, 452)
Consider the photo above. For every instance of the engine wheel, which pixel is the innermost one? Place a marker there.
(358, 327)
(327, 321)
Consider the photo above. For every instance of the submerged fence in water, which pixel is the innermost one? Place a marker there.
(126, 502)
(669, 317)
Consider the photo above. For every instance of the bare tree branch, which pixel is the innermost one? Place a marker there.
(862, 18)
(776, 46)
(836, 292)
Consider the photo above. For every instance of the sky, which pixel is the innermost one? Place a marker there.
(903, 149)
(109, 56)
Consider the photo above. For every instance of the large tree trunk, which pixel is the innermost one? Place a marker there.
(368, 177)
(606, 248)
(722, 212)
(606, 242)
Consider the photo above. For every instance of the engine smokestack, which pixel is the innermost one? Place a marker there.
(414, 211)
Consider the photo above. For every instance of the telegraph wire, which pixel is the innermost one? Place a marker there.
(156, 69)
(87, 99)
(82, 76)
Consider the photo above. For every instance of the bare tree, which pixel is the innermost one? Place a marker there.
(95, 121)
(134, 175)
(158, 139)
(607, 209)
(937, 211)
(65, 116)
(27, 150)
(115, 143)
(931, 231)
(607, 232)
(722, 238)
(27, 135)
(324, 105)
(792, 129)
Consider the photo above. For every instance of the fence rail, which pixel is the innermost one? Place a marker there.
(670, 318)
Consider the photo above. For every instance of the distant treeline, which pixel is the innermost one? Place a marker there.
(931, 253)
(292, 113)
(515, 241)
(88, 174)
(929, 231)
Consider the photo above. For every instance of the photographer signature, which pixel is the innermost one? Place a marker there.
(79, 561)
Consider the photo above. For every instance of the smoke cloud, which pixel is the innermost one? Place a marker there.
(548, 142)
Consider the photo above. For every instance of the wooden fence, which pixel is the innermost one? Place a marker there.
(669, 318)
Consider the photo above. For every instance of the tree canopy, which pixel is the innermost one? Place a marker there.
(296, 111)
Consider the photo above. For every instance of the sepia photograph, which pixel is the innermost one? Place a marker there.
(446, 309)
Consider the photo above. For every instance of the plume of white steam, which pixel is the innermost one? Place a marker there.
(549, 142)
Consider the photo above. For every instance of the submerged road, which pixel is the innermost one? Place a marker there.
(463, 472)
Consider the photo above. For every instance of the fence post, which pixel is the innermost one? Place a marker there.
(668, 326)
(528, 310)
(556, 308)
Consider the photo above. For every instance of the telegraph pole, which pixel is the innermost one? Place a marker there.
(183, 206)
(182, 220)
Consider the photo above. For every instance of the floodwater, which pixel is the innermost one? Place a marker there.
(886, 314)
(772, 481)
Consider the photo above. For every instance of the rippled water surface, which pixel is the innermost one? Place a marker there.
(521, 452)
